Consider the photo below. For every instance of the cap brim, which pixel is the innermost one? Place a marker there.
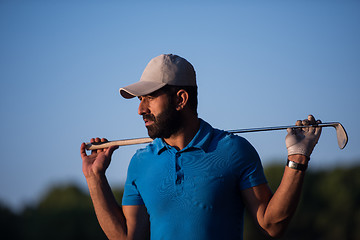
(140, 88)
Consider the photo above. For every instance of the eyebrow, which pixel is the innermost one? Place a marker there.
(154, 94)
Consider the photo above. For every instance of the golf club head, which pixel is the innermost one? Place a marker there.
(341, 135)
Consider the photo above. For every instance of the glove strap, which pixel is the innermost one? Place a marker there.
(296, 166)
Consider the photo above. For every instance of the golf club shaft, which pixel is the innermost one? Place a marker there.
(342, 142)
(263, 129)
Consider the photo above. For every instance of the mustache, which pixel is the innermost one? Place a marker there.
(149, 117)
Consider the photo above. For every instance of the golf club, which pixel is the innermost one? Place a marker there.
(341, 135)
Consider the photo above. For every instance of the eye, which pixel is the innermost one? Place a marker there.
(150, 97)
(146, 98)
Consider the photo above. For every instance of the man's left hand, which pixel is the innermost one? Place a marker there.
(303, 140)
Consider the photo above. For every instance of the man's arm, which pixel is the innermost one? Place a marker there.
(273, 212)
(131, 222)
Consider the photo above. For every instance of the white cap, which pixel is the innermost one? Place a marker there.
(166, 69)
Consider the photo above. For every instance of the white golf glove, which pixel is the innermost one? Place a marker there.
(303, 140)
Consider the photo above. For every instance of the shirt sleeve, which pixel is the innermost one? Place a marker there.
(250, 172)
(131, 194)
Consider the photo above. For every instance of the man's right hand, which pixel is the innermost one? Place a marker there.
(98, 161)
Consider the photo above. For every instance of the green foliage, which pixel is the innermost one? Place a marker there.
(330, 204)
(329, 209)
(9, 223)
(65, 212)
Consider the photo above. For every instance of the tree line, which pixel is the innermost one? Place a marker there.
(329, 209)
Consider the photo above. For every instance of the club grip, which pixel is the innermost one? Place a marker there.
(125, 142)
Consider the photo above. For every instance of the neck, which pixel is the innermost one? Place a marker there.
(183, 137)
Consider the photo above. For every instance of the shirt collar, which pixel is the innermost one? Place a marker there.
(201, 140)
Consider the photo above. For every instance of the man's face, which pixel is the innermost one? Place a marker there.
(160, 115)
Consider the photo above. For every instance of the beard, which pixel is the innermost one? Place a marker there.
(165, 124)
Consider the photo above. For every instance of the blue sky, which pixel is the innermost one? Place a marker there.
(258, 63)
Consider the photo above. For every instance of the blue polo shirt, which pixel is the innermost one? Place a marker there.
(194, 193)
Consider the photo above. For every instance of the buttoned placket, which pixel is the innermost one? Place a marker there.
(179, 172)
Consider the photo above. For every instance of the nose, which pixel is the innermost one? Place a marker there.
(143, 107)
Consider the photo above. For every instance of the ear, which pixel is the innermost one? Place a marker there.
(182, 98)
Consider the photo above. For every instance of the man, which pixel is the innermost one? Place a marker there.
(192, 181)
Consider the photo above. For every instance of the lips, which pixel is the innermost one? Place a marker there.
(149, 119)
(148, 123)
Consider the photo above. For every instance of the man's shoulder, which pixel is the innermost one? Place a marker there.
(230, 141)
(150, 148)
